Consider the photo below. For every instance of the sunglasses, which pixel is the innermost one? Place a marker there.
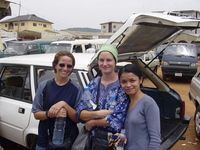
(63, 65)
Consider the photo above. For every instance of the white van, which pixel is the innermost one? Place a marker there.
(76, 46)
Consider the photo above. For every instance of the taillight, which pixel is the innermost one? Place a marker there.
(183, 109)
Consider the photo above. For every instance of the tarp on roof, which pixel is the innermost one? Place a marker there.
(27, 33)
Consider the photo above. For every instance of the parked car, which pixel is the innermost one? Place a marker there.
(20, 78)
(6, 41)
(179, 60)
(21, 75)
(76, 46)
(26, 48)
(151, 60)
(194, 95)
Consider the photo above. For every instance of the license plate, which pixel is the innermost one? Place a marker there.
(178, 74)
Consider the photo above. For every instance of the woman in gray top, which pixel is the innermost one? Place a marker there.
(142, 122)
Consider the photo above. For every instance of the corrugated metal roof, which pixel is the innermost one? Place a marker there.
(30, 17)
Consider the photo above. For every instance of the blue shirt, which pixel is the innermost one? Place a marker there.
(115, 119)
(70, 93)
(142, 125)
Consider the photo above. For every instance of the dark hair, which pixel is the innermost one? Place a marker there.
(89, 45)
(130, 68)
(59, 55)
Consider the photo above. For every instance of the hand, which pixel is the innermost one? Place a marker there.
(62, 113)
(53, 111)
(103, 113)
(89, 125)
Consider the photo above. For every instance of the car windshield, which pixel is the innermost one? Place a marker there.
(15, 48)
(181, 50)
(54, 48)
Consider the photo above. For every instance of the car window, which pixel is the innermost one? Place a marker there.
(32, 48)
(44, 47)
(48, 73)
(15, 83)
(77, 49)
(177, 50)
(15, 48)
(54, 48)
(147, 57)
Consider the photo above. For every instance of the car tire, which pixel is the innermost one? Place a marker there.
(33, 142)
(197, 122)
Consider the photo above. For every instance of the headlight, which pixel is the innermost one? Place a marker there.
(165, 63)
(193, 65)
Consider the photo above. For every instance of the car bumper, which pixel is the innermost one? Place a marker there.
(178, 71)
(176, 135)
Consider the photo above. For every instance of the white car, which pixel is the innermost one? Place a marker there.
(151, 60)
(76, 46)
(21, 75)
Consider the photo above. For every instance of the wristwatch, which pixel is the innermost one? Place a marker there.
(47, 114)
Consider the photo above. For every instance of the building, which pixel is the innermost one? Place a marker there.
(192, 14)
(27, 26)
(110, 27)
(5, 9)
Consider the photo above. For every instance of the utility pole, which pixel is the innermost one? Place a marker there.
(18, 16)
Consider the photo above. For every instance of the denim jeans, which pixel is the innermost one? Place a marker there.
(40, 148)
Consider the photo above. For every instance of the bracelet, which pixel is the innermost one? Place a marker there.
(47, 114)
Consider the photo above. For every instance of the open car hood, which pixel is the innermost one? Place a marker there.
(145, 31)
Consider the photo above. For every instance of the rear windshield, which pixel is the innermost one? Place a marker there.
(54, 48)
(181, 50)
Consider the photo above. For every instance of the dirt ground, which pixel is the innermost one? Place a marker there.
(182, 86)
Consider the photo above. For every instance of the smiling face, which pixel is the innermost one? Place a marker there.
(106, 62)
(130, 83)
(64, 67)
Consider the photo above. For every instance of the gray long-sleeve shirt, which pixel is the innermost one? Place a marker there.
(142, 125)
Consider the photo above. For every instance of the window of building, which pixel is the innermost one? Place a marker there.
(22, 24)
(35, 24)
(6, 25)
(44, 25)
(114, 26)
(10, 25)
(104, 27)
(16, 24)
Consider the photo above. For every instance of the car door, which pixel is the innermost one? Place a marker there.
(15, 101)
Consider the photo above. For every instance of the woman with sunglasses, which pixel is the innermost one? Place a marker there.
(63, 96)
(102, 120)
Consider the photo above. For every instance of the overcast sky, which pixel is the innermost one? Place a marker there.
(90, 13)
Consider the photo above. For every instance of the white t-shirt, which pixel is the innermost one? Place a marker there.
(90, 50)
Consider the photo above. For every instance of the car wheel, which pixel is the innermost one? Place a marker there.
(164, 77)
(197, 122)
(33, 142)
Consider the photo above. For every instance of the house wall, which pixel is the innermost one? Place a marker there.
(28, 25)
(110, 27)
(193, 14)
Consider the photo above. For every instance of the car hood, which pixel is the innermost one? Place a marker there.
(145, 31)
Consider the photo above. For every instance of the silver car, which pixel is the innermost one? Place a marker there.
(194, 95)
